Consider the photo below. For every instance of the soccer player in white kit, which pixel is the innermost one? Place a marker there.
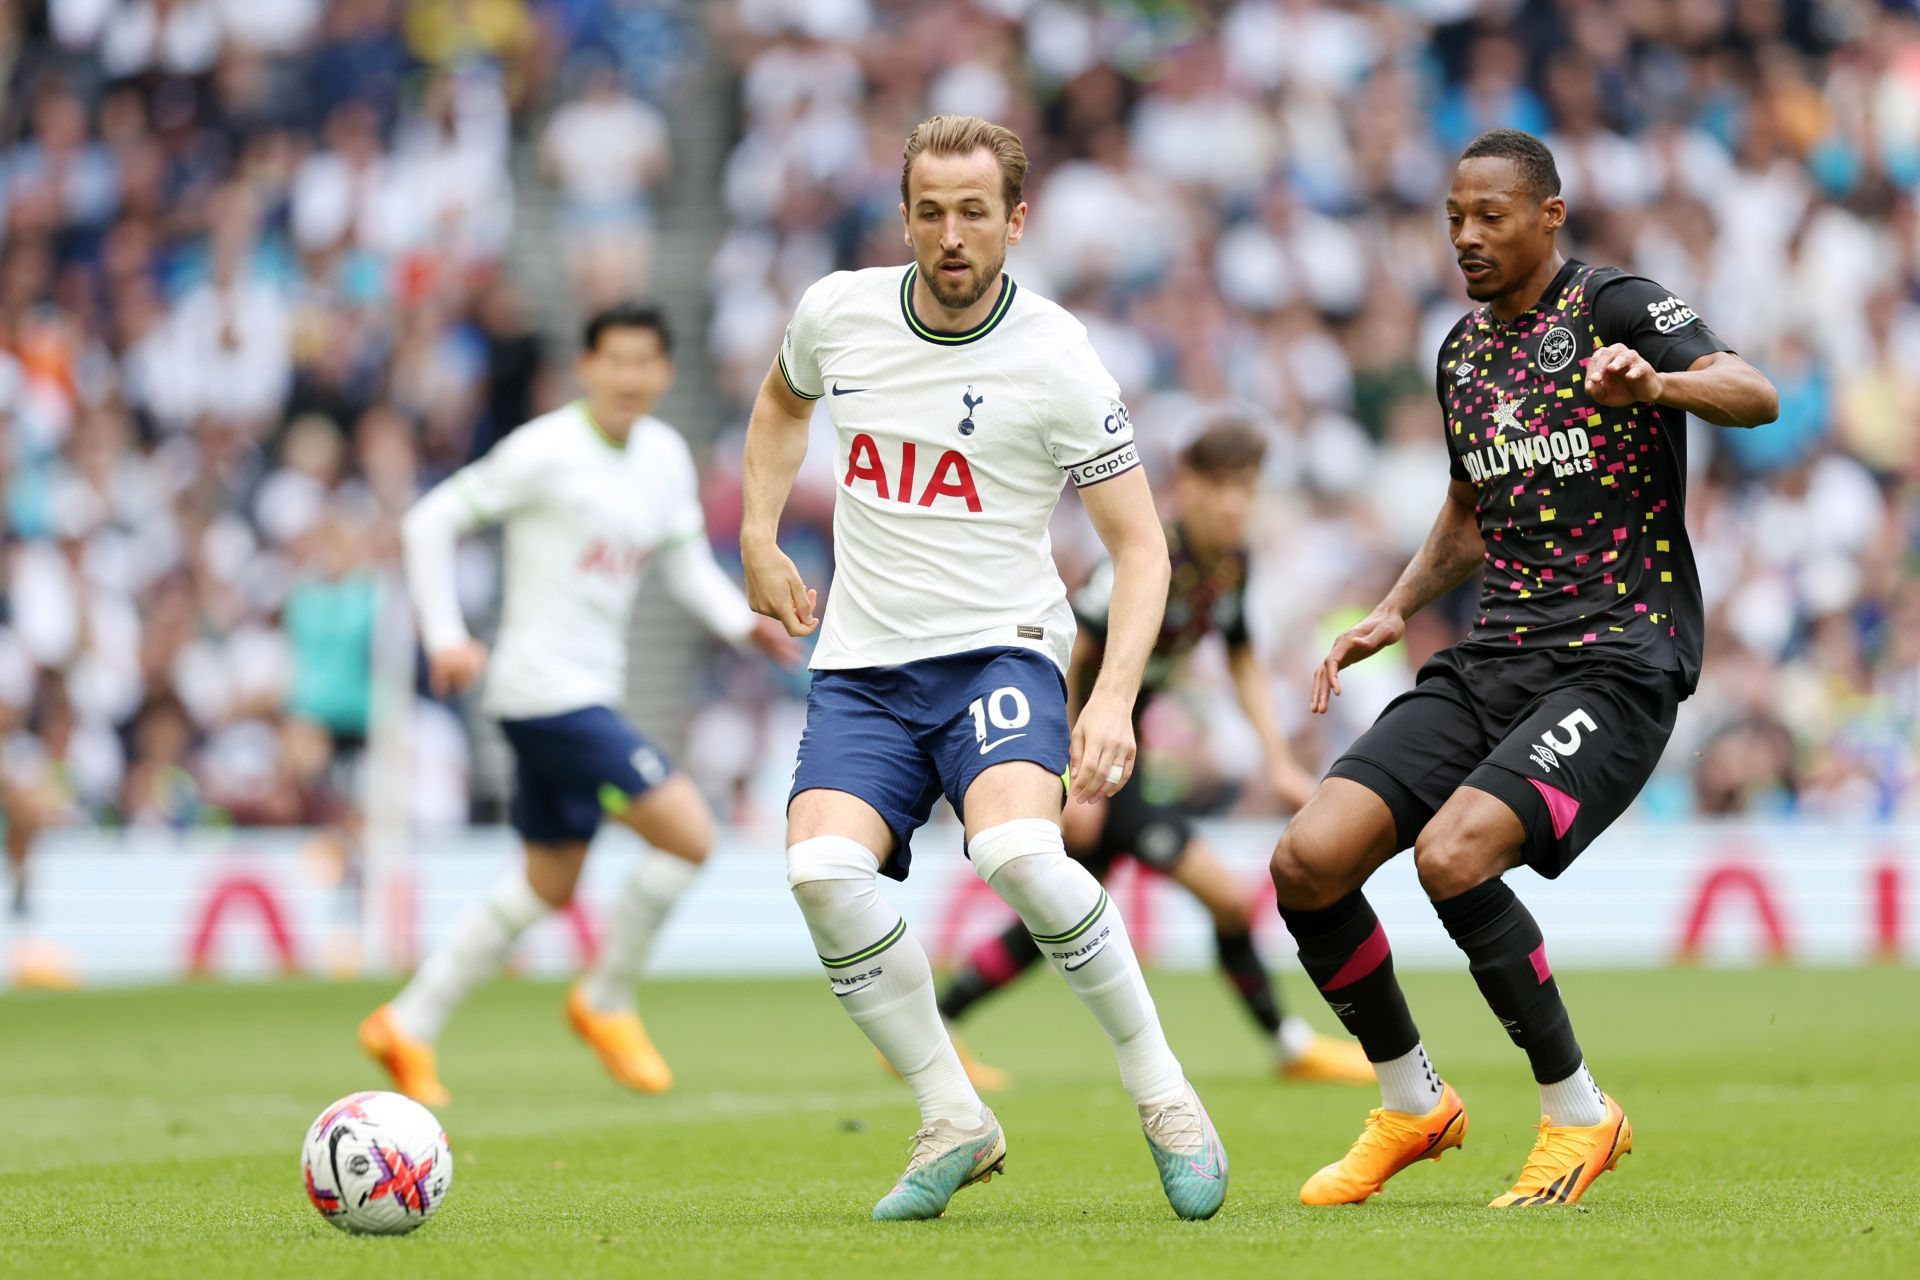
(588, 494)
(960, 406)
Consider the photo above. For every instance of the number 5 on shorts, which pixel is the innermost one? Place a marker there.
(1573, 723)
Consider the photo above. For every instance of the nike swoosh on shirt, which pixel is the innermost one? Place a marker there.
(848, 391)
(988, 746)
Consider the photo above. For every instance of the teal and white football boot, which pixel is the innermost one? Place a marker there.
(1192, 1162)
(944, 1158)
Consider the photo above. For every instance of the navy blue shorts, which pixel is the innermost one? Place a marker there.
(571, 768)
(900, 737)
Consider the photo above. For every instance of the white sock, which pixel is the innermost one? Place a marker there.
(1296, 1038)
(1576, 1100)
(1409, 1083)
(650, 892)
(1081, 933)
(471, 953)
(880, 973)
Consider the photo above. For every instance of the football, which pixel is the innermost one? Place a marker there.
(376, 1163)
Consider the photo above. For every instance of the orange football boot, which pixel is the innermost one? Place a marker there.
(410, 1062)
(1328, 1061)
(621, 1043)
(1567, 1158)
(1391, 1141)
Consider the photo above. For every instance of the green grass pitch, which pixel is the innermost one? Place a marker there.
(155, 1133)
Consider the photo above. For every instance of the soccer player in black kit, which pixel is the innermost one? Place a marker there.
(1214, 488)
(1565, 396)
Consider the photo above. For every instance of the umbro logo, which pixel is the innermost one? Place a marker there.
(848, 391)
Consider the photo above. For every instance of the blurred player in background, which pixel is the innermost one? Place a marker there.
(1566, 395)
(589, 495)
(960, 402)
(1213, 491)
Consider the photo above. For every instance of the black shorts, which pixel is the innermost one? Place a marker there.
(1565, 737)
(1155, 834)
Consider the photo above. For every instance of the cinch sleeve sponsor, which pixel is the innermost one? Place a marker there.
(1085, 417)
(1105, 467)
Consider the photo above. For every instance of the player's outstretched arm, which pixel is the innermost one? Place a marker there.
(1123, 515)
(1290, 781)
(702, 587)
(1452, 551)
(1719, 387)
(776, 446)
(429, 537)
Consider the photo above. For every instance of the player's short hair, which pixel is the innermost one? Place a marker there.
(1528, 153)
(1228, 447)
(631, 314)
(963, 135)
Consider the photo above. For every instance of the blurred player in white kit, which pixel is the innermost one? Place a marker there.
(589, 495)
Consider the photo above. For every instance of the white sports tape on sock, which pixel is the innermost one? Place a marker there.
(995, 847)
(830, 858)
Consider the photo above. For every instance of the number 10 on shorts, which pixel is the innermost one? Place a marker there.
(1004, 708)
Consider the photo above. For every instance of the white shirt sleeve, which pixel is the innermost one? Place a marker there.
(484, 491)
(429, 536)
(800, 348)
(1088, 431)
(692, 575)
(702, 587)
(504, 478)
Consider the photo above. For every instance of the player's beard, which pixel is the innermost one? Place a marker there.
(958, 295)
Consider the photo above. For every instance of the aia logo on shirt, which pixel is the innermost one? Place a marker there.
(949, 477)
(609, 559)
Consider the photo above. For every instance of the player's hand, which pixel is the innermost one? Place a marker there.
(1618, 375)
(1294, 785)
(770, 638)
(1369, 636)
(455, 668)
(775, 589)
(1102, 742)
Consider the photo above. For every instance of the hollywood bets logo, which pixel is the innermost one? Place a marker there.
(1568, 452)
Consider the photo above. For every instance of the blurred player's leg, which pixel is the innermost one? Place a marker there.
(1300, 1052)
(401, 1035)
(1024, 860)
(1342, 836)
(36, 963)
(673, 819)
(990, 966)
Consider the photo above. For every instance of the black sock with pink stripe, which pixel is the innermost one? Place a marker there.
(1344, 950)
(990, 966)
(1509, 962)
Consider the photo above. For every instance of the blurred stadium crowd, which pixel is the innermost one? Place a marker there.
(253, 298)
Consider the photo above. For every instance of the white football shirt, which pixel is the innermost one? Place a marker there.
(951, 450)
(583, 516)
